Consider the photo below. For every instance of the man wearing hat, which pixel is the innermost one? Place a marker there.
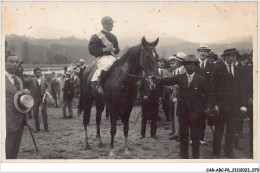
(104, 46)
(82, 67)
(14, 116)
(227, 101)
(161, 62)
(204, 69)
(191, 104)
(38, 87)
(68, 94)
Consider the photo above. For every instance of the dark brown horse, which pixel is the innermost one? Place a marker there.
(138, 62)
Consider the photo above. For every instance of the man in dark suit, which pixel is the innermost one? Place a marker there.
(38, 86)
(150, 107)
(68, 95)
(55, 89)
(204, 69)
(191, 104)
(14, 119)
(227, 97)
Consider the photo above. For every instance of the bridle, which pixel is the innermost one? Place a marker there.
(143, 70)
(143, 75)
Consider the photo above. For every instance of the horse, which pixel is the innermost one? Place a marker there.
(119, 89)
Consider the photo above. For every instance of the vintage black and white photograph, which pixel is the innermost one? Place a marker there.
(129, 81)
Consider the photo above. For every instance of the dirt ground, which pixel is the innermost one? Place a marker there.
(66, 137)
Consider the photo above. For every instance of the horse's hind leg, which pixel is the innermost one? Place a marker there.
(86, 118)
(113, 119)
(99, 109)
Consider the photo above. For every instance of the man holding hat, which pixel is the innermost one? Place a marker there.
(104, 46)
(38, 87)
(204, 69)
(227, 101)
(191, 104)
(15, 117)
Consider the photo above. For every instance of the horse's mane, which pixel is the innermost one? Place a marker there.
(125, 56)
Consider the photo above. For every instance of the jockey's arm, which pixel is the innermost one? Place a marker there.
(94, 48)
(117, 50)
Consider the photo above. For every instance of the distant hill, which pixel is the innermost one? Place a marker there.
(70, 50)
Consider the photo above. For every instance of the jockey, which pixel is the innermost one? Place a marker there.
(104, 46)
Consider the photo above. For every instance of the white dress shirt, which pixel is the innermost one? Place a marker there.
(203, 62)
(232, 68)
(39, 80)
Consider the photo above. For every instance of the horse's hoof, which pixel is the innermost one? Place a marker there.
(112, 154)
(87, 147)
(127, 152)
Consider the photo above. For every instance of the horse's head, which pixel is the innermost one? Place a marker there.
(148, 58)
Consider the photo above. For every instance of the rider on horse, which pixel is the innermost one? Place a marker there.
(104, 46)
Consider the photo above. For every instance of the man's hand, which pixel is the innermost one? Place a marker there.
(160, 100)
(26, 91)
(250, 102)
(216, 109)
(109, 48)
(155, 79)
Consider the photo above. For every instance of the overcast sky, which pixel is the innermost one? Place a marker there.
(192, 21)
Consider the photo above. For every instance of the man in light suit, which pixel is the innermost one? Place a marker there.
(38, 86)
(161, 62)
(14, 120)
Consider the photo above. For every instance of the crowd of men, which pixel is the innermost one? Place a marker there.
(194, 91)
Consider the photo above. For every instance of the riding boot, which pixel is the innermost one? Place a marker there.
(101, 82)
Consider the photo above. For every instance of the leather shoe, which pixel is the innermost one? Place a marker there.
(141, 137)
(154, 137)
(47, 130)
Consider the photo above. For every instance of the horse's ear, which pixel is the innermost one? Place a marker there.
(144, 42)
(155, 42)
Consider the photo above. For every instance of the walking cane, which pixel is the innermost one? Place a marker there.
(31, 135)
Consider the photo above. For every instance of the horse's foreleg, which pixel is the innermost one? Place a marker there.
(99, 110)
(86, 118)
(126, 128)
(112, 133)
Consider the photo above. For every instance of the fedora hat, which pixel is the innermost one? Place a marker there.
(191, 58)
(23, 102)
(203, 46)
(229, 51)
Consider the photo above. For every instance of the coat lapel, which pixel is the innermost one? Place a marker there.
(193, 80)
(9, 84)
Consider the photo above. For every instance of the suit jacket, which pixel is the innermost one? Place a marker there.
(68, 89)
(227, 91)
(191, 98)
(32, 88)
(55, 85)
(14, 119)
(206, 72)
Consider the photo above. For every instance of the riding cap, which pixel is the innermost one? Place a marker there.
(107, 20)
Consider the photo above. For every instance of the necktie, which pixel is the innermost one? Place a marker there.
(202, 65)
(230, 71)
(16, 83)
(189, 80)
